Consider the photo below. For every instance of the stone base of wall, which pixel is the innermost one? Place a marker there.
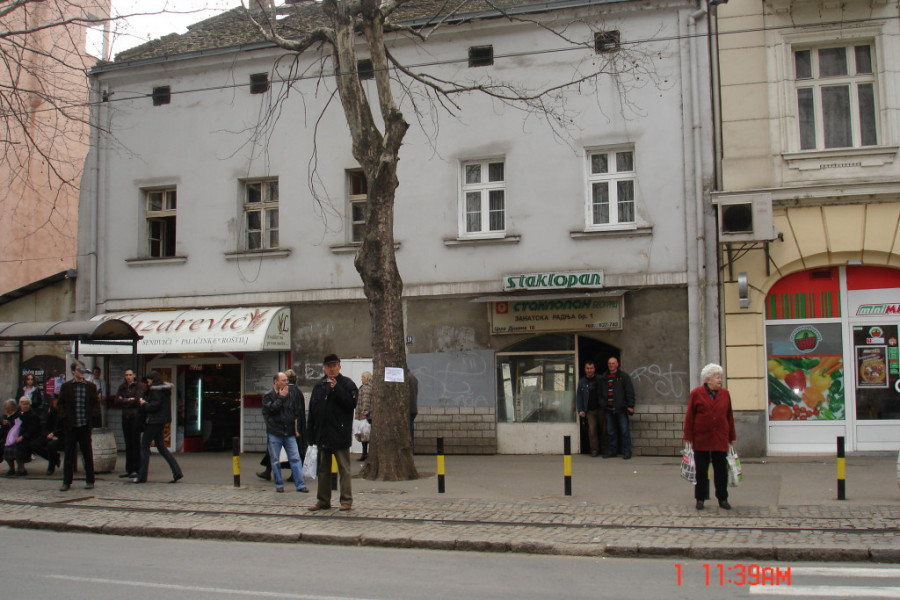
(656, 429)
(465, 429)
(254, 430)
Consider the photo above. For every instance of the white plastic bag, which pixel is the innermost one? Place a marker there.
(311, 463)
(688, 466)
(735, 473)
(361, 430)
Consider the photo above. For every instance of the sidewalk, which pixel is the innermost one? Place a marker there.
(786, 509)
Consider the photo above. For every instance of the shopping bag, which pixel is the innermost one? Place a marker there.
(688, 466)
(361, 430)
(735, 473)
(311, 463)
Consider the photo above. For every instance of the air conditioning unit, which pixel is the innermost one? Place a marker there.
(746, 218)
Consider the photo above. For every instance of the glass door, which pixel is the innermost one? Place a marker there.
(876, 372)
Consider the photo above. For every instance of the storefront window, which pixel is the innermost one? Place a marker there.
(537, 380)
(805, 372)
(877, 371)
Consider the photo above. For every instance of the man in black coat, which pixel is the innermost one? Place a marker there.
(128, 398)
(79, 405)
(330, 423)
(618, 400)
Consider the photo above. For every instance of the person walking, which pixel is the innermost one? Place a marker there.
(278, 409)
(78, 406)
(587, 400)
(709, 428)
(617, 392)
(128, 398)
(156, 405)
(330, 422)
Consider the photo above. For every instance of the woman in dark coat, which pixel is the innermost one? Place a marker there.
(709, 428)
(156, 406)
(35, 393)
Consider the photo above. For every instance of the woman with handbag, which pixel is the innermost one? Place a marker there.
(709, 428)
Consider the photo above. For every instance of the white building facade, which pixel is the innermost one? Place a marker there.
(525, 249)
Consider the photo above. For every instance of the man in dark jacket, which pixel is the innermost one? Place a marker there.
(128, 398)
(157, 407)
(331, 407)
(279, 411)
(618, 399)
(78, 405)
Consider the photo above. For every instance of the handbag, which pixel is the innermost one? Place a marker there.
(311, 462)
(688, 466)
(735, 473)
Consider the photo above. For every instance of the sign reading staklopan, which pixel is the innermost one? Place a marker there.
(553, 281)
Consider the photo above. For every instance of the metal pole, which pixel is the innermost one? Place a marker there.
(841, 469)
(567, 464)
(334, 471)
(440, 464)
(236, 460)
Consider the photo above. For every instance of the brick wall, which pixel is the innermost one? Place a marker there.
(465, 429)
(656, 429)
(254, 430)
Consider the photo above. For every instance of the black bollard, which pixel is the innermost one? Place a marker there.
(567, 464)
(236, 460)
(841, 469)
(440, 464)
(334, 471)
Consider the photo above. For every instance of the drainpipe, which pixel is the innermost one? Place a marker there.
(93, 198)
(698, 358)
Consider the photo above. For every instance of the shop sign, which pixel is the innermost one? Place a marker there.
(878, 309)
(245, 329)
(553, 281)
(561, 314)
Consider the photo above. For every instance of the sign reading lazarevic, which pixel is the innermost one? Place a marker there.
(558, 314)
(553, 281)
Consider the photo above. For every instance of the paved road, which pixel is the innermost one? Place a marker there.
(110, 567)
(785, 511)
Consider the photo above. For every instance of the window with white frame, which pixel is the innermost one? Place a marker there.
(611, 179)
(161, 205)
(261, 214)
(483, 198)
(836, 96)
(358, 196)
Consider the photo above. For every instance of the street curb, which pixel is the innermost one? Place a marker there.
(426, 541)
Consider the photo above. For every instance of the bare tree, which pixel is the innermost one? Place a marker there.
(377, 127)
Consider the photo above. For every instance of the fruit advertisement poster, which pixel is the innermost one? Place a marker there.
(805, 372)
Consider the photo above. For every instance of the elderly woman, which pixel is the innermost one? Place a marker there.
(364, 408)
(9, 431)
(709, 428)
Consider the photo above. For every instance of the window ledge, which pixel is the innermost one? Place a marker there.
(256, 254)
(507, 239)
(163, 260)
(352, 248)
(611, 233)
(840, 158)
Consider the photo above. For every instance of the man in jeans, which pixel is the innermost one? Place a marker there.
(79, 405)
(618, 395)
(587, 399)
(279, 411)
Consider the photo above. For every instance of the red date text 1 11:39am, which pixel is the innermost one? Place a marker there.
(742, 574)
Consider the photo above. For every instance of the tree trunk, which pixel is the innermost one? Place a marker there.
(390, 450)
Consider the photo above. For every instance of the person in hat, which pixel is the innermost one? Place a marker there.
(330, 426)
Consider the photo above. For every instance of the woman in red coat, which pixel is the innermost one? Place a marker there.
(709, 427)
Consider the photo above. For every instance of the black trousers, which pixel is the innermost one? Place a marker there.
(720, 474)
(80, 436)
(156, 433)
(131, 431)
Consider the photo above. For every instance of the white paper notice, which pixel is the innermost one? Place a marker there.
(393, 374)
